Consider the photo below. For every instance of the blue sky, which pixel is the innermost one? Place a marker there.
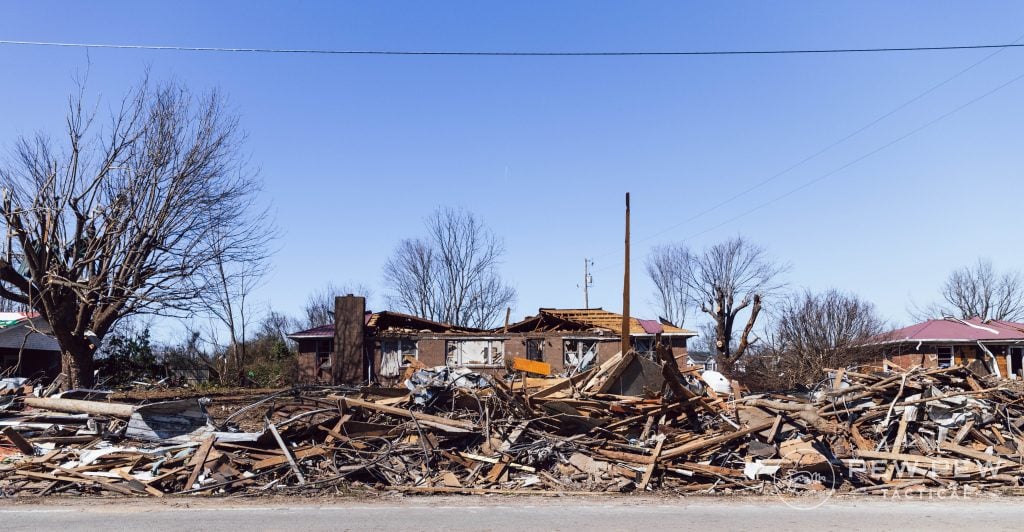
(356, 151)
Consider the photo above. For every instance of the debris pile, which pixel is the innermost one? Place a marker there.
(630, 424)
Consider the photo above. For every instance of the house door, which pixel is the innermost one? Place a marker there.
(1015, 362)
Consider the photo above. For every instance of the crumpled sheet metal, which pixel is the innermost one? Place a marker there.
(424, 384)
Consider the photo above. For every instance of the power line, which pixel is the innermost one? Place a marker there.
(855, 160)
(821, 151)
(635, 53)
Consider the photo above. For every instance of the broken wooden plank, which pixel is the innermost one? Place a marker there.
(19, 441)
(531, 366)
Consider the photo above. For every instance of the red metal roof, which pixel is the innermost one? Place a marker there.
(951, 329)
(323, 331)
(651, 326)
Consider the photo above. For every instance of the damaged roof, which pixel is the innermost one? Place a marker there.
(23, 330)
(383, 322)
(593, 318)
(957, 330)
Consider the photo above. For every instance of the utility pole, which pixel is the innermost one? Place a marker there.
(625, 289)
(587, 282)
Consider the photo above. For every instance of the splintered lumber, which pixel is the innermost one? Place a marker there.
(199, 460)
(491, 460)
(452, 425)
(456, 431)
(287, 453)
(705, 443)
(564, 384)
(654, 464)
(77, 406)
(275, 461)
(20, 442)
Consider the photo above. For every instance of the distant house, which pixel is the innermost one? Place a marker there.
(702, 359)
(380, 344)
(938, 343)
(27, 347)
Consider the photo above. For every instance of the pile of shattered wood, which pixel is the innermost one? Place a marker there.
(630, 424)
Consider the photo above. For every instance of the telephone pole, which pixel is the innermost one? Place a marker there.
(625, 289)
(587, 282)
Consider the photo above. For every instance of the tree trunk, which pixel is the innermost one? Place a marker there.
(77, 365)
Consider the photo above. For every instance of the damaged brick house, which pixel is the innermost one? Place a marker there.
(579, 338)
(387, 339)
(939, 343)
(375, 346)
(26, 346)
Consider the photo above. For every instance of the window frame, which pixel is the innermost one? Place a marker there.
(579, 351)
(494, 358)
(537, 353)
(652, 349)
(402, 342)
(939, 355)
(323, 347)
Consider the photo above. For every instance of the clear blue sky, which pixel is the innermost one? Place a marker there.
(356, 151)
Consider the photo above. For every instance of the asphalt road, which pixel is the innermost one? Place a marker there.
(518, 514)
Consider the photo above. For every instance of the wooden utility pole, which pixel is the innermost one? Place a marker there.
(625, 289)
(586, 283)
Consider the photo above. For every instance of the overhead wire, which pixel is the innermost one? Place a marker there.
(854, 161)
(498, 53)
(821, 151)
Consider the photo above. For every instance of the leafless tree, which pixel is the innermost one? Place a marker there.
(817, 331)
(319, 307)
(724, 280)
(125, 218)
(704, 342)
(980, 291)
(451, 275)
(230, 278)
(666, 266)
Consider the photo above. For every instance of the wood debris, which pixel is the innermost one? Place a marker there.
(461, 432)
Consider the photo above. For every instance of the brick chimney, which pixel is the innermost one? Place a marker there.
(349, 331)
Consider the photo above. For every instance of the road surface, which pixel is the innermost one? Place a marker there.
(473, 513)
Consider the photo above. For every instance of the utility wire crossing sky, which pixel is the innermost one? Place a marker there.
(511, 53)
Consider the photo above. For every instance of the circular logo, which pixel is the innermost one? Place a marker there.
(805, 479)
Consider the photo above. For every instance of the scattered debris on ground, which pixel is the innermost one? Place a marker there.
(630, 424)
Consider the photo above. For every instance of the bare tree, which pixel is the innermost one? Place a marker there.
(666, 266)
(451, 275)
(123, 219)
(980, 291)
(231, 277)
(814, 332)
(724, 280)
(319, 307)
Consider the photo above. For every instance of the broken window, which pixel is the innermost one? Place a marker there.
(393, 353)
(644, 345)
(323, 353)
(945, 355)
(1015, 366)
(535, 349)
(475, 353)
(580, 354)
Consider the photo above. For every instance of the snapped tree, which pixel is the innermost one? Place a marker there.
(124, 218)
(722, 281)
(451, 275)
